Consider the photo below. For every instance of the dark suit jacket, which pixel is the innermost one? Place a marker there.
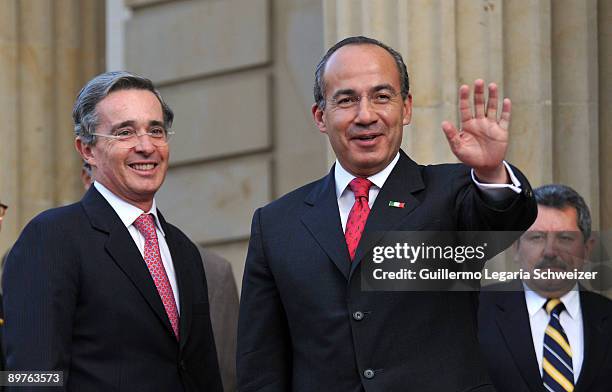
(223, 299)
(79, 298)
(306, 325)
(507, 344)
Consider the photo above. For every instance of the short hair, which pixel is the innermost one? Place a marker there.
(561, 196)
(84, 111)
(319, 84)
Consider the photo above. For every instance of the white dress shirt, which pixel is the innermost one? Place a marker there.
(128, 214)
(346, 197)
(570, 319)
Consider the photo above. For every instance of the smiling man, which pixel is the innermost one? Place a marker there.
(105, 290)
(305, 324)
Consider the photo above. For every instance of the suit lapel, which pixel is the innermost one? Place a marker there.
(404, 180)
(513, 321)
(322, 219)
(123, 251)
(597, 334)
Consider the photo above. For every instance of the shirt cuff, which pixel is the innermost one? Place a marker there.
(499, 192)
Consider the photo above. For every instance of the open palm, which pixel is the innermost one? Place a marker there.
(482, 140)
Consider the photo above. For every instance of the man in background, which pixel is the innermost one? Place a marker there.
(549, 334)
(105, 290)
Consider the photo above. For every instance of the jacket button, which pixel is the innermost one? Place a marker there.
(358, 316)
(182, 366)
(368, 373)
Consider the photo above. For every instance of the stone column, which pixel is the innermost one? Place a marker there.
(49, 49)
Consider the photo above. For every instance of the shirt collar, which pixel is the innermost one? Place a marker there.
(535, 301)
(127, 212)
(343, 177)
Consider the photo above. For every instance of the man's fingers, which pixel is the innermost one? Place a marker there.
(479, 99)
(451, 133)
(492, 102)
(464, 103)
(504, 120)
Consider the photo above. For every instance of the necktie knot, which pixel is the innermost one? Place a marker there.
(145, 224)
(360, 187)
(554, 306)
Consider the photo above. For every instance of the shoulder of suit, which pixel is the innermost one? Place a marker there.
(54, 216)
(295, 197)
(597, 299)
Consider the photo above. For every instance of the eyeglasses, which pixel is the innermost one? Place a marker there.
(378, 99)
(3, 208)
(128, 138)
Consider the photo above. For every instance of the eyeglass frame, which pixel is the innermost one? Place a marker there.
(119, 138)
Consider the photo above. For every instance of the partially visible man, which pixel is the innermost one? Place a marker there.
(223, 298)
(106, 290)
(3, 208)
(305, 324)
(549, 334)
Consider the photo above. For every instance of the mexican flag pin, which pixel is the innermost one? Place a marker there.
(396, 204)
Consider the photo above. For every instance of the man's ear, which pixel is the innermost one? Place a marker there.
(515, 248)
(317, 114)
(85, 151)
(407, 110)
(588, 246)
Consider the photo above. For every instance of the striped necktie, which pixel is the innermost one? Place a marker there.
(557, 374)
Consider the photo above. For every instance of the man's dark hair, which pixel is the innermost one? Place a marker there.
(84, 112)
(561, 196)
(319, 84)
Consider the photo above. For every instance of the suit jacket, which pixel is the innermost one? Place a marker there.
(306, 325)
(223, 299)
(507, 344)
(79, 298)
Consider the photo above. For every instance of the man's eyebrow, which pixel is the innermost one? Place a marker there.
(385, 86)
(346, 91)
(126, 123)
(131, 123)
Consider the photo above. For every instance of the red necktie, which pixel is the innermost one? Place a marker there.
(359, 214)
(145, 224)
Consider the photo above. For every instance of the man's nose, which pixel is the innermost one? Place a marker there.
(551, 247)
(365, 112)
(144, 144)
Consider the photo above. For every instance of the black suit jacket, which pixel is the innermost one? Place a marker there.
(79, 298)
(507, 343)
(305, 324)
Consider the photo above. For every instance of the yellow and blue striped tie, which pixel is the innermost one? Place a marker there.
(557, 374)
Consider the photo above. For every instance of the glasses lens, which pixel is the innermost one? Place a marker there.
(134, 140)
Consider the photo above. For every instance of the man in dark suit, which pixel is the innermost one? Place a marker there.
(549, 334)
(106, 290)
(223, 298)
(305, 324)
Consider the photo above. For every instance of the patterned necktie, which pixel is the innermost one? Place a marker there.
(557, 374)
(358, 215)
(145, 224)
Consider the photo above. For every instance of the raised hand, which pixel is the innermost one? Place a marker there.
(482, 140)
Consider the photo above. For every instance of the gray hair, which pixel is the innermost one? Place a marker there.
(84, 112)
(319, 85)
(561, 196)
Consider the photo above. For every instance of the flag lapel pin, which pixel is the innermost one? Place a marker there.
(397, 204)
